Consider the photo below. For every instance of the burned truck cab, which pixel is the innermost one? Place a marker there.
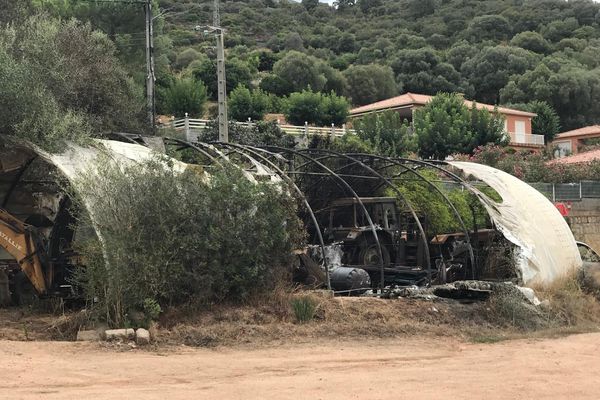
(396, 231)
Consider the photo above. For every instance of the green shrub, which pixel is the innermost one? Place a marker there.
(170, 237)
(185, 95)
(305, 308)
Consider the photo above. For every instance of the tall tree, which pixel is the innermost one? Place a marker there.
(370, 83)
(446, 126)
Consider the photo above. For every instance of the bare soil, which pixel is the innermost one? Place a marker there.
(415, 368)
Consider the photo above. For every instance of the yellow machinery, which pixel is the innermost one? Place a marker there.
(21, 242)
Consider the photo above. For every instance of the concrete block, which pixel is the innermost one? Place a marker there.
(88, 336)
(119, 334)
(142, 337)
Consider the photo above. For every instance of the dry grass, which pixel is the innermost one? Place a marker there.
(569, 304)
(267, 321)
(566, 307)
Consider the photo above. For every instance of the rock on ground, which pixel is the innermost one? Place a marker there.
(119, 334)
(88, 336)
(142, 336)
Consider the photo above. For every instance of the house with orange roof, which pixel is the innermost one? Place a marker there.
(570, 142)
(579, 158)
(517, 123)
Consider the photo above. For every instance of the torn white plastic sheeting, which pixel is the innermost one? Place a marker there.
(530, 221)
(77, 159)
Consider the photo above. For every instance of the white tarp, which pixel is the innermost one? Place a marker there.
(77, 159)
(530, 221)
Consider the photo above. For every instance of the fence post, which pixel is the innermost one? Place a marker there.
(343, 129)
(306, 128)
(554, 193)
(580, 191)
(187, 127)
(332, 129)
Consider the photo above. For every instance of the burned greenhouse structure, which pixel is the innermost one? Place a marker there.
(371, 220)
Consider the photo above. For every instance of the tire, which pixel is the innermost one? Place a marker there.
(369, 254)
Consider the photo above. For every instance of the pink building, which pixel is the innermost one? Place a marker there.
(517, 123)
(569, 142)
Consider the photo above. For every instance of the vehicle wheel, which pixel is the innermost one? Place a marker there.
(369, 255)
(23, 292)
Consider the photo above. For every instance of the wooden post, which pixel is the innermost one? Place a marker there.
(187, 127)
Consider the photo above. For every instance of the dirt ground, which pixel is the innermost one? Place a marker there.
(564, 368)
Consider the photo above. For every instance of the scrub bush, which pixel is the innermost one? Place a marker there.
(168, 237)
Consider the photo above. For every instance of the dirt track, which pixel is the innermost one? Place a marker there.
(416, 369)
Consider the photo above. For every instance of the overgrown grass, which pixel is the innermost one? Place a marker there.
(566, 305)
(305, 308)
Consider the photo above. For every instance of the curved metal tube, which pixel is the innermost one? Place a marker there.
(401, 196)
(354, 194)
(437, 189)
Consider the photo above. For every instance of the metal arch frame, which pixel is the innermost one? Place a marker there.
(194, 147)
(399, 194)
(452, 207)
(286, 178)
(125, 136)
(354, 194)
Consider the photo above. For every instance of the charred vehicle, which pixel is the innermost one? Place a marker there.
(394, 242)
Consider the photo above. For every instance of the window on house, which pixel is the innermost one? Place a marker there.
(563, 149)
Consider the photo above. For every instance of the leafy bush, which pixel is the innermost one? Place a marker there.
(244, 104)
(169, 237)
(446, 125)
(386, 133)
(316, 108)
(61, 80)
(533, 166)
(185, 95)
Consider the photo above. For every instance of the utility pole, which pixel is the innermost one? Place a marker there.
(221, 82)
(150, 77)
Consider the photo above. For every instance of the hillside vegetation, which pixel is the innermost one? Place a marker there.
(494, 51)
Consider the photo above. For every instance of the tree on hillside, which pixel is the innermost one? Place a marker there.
(310, 4)
(185, 95)
(491, 69)
(531, 41)
(316, 108)
(447, 126)
(244, 104)
(488, 27)
(367, 5)
(569, 88)
(422, 71)
(370, 83)
(238, 73)
(63, 72)
(343, 5)
(299, 71)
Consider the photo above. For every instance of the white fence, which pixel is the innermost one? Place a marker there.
(191, 128)
(528, 139)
